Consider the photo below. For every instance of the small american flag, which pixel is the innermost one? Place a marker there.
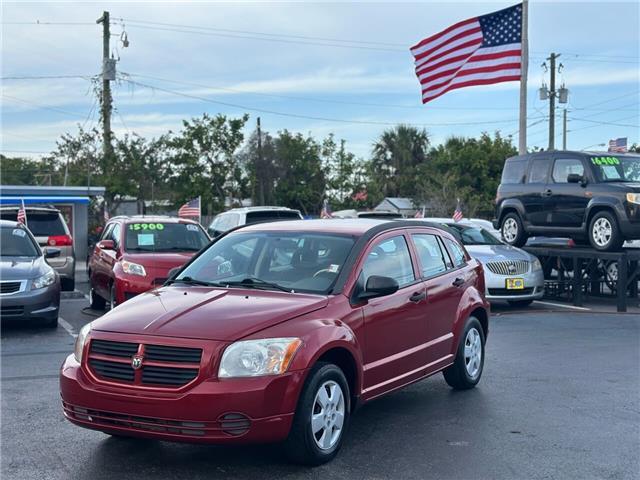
(190, 209)
(457, 214)
(478, 51)
(22, 213)
(619, 145)
(419, 214)
(326, 210)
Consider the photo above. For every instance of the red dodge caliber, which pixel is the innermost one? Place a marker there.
(276, 332)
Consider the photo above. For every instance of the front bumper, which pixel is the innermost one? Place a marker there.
(41, 305)
(496, 286)
(250, 410)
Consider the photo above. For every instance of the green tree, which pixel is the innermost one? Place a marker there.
(27, 171)
(468, 169)
(300, 178)
(397, 156)
(201, 160)
(341, 173)
(259, 161)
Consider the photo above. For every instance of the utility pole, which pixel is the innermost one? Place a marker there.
(260, 170)
(552, 102)
(564, 129)
(106, 88)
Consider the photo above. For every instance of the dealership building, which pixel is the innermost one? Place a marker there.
(73, 203)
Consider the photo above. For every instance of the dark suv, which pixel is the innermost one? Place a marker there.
(587, 196)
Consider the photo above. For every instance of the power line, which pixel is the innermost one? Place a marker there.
(43, 106)
(608, 123)
(47, 77)
(38, 22)
(308, 117)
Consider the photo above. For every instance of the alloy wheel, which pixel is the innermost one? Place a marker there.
(602, 232)
(473, 353)
(327, 415)
(510, 229)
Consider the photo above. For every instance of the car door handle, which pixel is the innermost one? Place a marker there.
(458, 282)
(418, 296)
(547, 193)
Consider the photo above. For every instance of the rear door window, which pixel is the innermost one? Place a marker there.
(539, 170)
(514, 171)
(563, 167)
(456, 252)
(267, 215)
(432, 258)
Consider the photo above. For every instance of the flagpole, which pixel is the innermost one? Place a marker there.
(524, 69)
(26, 222)
(200, 209)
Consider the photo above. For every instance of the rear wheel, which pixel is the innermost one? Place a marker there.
(604, 233)
(467, 368)
(512, 230)
(321, 418)
(96, 301)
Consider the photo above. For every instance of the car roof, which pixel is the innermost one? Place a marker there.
(10, 224)
(152, 218)
(257, 209)
(31, 208)
(344, 226)
(572, 152)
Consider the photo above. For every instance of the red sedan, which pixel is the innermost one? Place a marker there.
(276, 332)
(135, 254)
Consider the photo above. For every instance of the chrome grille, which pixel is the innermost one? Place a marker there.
(509, 267)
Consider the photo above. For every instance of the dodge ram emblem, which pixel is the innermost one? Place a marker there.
(136, 361)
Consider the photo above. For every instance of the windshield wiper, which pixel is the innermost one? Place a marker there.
(254, 282)
(191, 281)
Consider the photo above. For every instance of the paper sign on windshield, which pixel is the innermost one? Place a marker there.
(145, 239)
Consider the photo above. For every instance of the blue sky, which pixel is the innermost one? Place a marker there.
(331, 61)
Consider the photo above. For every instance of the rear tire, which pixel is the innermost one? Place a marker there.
(520, 303)
(512, 230)
(53, 323)
(96, 302)
(604, 233)
(467, 368)
(324, 406)
(68, 284)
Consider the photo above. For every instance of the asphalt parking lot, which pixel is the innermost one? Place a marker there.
(560, 398)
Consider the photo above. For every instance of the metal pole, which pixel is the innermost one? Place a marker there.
(524, 67)
(552, 102)
(564, 129)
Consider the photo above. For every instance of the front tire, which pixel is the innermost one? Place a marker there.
(512, 230)
(467, 368)
(322, 417)
(96, 302)
(604, 233)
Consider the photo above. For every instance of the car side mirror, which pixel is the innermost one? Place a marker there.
(173, 272)
(378, 286)
(106, 245)
(576, 178)
(51, 252)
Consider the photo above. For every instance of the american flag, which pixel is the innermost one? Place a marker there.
(190, 209)
(478, 51)
(619, 145)
(326, 210)
(419, 213)
(22, 213)
(457, 214)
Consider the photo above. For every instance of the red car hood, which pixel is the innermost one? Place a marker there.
(160, 260)
(206, 313)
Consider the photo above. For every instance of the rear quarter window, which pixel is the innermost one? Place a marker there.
(514, 171)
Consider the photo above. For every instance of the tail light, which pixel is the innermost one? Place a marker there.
(60, 241)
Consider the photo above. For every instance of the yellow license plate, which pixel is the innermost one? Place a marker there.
(515, 283)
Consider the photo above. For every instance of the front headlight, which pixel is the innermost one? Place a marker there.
(133, 269)
(255, 358)
(536, 265)
(80, 341)
(45, 280)
(633, 198)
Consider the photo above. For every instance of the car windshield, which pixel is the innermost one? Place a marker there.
(15, 242)
(475, 235)
(164, 237)
(611, 168)
(297, 261)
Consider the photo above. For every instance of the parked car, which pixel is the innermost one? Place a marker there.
(277, 331)
(135, 254)
(50, 229)
(235, 217)
(382, 214)
(590, 197)
(478, 222)
(29, 287)
(510, 274)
